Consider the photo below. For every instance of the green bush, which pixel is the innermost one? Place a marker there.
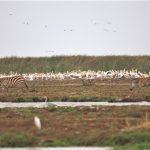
(55, 143)
(140, 146)
(62, 109)
(132, 137)
(68, 142)
(87, 99)
(17, 140)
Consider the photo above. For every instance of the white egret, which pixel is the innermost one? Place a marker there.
(37, 122)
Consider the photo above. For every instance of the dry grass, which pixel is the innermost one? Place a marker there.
(56, 89)
(96, 123)
(141, 123)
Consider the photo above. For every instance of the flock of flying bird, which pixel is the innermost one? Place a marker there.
(107, 28)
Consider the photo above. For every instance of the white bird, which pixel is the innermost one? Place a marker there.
(45, 98)
(37, 122)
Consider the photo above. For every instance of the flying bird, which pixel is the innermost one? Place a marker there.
(108, 22)
(95, 23)
(68, 30)
(25, 23)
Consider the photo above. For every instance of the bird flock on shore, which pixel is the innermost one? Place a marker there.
(110, 74)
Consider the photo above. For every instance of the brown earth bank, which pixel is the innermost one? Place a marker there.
(73, 90)
(86, 126)
(80, 125)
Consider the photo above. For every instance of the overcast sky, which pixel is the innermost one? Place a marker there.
(74, 28)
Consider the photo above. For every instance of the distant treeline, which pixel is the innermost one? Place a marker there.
(69, 63)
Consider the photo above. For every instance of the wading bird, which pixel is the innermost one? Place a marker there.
(37, 122)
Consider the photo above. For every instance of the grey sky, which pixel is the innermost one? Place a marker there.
(70, 28)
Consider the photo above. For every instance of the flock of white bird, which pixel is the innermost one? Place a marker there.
(134, 73)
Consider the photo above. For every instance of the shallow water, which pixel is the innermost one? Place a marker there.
(68, 104)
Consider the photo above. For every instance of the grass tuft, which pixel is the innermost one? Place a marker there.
(20, 139)
(126, 138)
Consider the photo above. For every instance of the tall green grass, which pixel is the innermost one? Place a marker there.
(69, 63)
